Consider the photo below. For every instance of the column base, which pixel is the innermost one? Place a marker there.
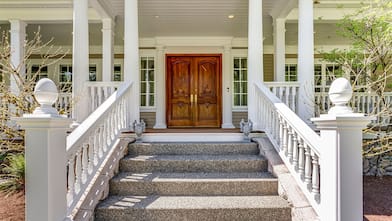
(160, 126)
(228, 126)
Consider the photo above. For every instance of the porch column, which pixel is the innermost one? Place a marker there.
(160, 94)
(131, 54)
(227, 111)
(80, 59)
(305, 60)
(279, 49)
(18, 37)
(255, 54)
(107, 49)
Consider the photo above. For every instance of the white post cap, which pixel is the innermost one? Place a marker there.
(340, 94)
(45, 92)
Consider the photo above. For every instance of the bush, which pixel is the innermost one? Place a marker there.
(13, 173)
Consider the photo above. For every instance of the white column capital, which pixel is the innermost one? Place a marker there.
(107, 24)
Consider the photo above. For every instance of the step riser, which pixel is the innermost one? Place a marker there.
(264, 214)
(192, 149)
(239, 188)
(193, 166)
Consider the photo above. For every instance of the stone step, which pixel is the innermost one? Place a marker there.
(193, 148)
(193, 163)
(206, 208)
(194, 184)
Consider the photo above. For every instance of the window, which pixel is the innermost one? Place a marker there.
(318, 78)
(240, 82)
(65, 77)
(39, 74)
(92, 72)
(147, 82)
(290, 72)
(117, 72)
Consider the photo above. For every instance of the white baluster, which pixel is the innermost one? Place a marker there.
(78, 170)
(301, 159)
(71, 180)
(285, 137)
(280, 132)
(84, 163)
(315, 178)
(91, 154)
(295, 151)
(308, 168)
(290, 144)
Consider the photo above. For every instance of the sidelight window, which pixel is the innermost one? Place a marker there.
(147, 82)
(240, 82)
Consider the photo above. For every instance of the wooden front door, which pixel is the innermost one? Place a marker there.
(193, 90)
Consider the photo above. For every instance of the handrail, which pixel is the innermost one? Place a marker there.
(89, 144)
(297, 144)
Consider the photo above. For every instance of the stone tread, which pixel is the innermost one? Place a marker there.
(194, 163)
(192, 148)
(195, 184)
(192, 202)
(199, 208)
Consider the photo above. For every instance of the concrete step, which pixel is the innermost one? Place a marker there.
(193, 163)
(194, 184)
(193, 148)
(180, 208)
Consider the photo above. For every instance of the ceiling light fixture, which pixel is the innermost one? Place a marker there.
(156, 16)
(231, 16)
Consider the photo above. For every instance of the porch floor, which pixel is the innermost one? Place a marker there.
(193, 130)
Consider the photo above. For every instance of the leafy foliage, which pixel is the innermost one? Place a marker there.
(13, 174)
(369, 64)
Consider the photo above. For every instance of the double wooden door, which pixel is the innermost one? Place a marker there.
(193, 90)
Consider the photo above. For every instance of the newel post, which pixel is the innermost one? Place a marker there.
(45, 154)
(341, 157)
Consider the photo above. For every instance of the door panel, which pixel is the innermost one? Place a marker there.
(207, 70)
(194, 90)
(179, 90)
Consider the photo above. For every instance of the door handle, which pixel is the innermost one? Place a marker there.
(191, 99)
(195, 98)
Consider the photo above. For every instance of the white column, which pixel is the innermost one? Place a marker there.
(18, 37)
(279, 49)
(227, 90)
(305, 60)
(131, 54)
(160, 94)
(80, 59)
(107, 49)
(255, 54)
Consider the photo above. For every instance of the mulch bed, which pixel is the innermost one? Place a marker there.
(377, 201)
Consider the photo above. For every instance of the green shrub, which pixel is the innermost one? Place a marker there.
(13, 173)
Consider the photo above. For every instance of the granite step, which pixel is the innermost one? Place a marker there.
(193, 163)
(206, 208)
(194, 184)
(193, 148)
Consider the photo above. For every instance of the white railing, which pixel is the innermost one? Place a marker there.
(90, 143)
(97, 93)
(293, 139)
(368, 103)
(287, 92)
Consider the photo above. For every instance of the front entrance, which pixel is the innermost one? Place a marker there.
(193, 90)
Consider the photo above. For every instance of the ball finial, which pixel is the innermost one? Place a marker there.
(340, 94)
(45, 92)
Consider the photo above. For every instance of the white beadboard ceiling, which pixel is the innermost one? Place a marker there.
(180, 18)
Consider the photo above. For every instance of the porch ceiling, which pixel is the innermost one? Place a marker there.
(178, 18)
